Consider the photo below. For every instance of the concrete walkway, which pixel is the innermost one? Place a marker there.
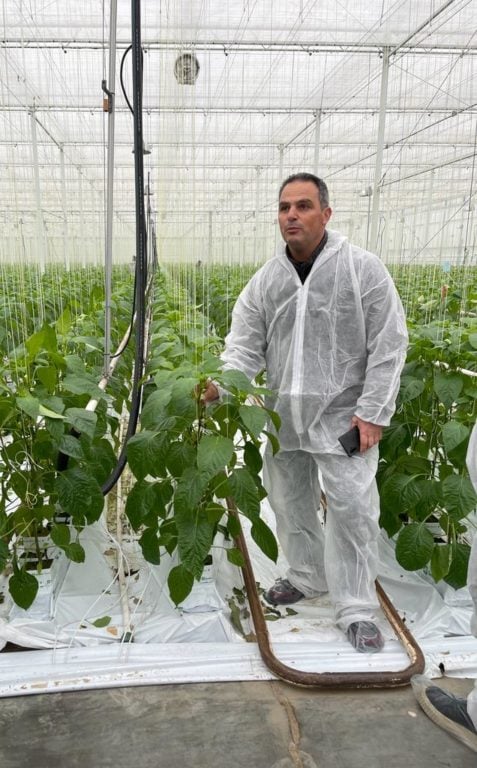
(226, 725)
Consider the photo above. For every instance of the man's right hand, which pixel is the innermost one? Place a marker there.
(210, 393)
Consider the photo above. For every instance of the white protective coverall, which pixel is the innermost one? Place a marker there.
(472, 572)
(332, 347)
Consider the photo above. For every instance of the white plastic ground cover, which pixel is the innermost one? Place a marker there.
(198, 642)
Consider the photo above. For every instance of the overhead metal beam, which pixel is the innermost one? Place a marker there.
(226, 46)
(264, 110)
(237, 144)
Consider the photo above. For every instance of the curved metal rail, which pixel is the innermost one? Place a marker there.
(384, 679)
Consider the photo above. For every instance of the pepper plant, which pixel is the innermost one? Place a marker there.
(54, 452)
(422, 474)
(189, 458)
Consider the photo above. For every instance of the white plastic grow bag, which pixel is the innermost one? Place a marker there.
(197, 642)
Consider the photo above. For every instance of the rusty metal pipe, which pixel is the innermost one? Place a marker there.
(335, 680)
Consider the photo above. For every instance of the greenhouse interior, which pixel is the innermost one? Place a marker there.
(142, 149)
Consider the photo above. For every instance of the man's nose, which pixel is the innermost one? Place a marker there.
(291, 213)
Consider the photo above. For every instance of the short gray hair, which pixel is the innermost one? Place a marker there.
(319, 184)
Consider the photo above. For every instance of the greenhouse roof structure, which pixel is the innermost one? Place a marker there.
(377, 98)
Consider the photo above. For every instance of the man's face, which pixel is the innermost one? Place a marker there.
(301, 218)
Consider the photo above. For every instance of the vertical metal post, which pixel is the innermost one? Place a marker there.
(242, 223)
(40, 233)
(281, 150)
(425, 239)
(63, 203)
(80, 234)
(210, 246)
(257, 204)
(108, 250)
(317, 142)
(370, 197)
(379, 151)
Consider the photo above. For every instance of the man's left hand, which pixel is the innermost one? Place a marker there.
(370, 434)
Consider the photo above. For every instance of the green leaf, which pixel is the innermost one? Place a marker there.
(82, 421)
(102, 622)
(274, 442)
(44, 411)
(74, 552)
(255, 418)
(440, 561)
(459, 496)
(395, 438)
(83, 385)
(60, 535)
(23, 587)
(153, 413)
(219, 486)
(147, 452)
(213, 453)
(235, 557)
(448, 387)
(180, 582)
(195, 535)
(414, 546)
(147, 501)
(29, 405)
(71, 446)
(236, 381)
(453, 434)
(274, 418)
(180, 456)
(410, 389)
(393, 493)
(100, 458)
(473, 340)
(189, 490)
(79, 495)
(183, 405)
(244, 491)
(413, 465)
(149, 543)
(48, 376)
(457, 575)
(252, 458)
(4, 554)
(214, 512)
(264, 538)
(424, 496)
(45, 339)
(233, 525)
(64, 321)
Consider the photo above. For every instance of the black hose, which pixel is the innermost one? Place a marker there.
(121, 80)
(141, 250)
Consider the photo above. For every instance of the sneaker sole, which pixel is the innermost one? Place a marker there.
(458, 731)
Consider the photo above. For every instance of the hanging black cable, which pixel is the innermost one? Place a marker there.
(121, 79)
(141, 250)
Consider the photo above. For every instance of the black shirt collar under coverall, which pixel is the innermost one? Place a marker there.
(303, 267)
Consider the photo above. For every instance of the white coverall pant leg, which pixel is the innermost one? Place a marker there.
(343, 558)
(472, 580)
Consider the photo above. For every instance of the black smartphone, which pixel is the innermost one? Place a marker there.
(350, 441)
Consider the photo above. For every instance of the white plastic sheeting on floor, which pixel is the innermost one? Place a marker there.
(198, 641)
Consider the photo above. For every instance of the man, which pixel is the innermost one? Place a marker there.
(456, 715)
(324, 320)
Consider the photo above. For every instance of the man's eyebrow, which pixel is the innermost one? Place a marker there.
(301, 200)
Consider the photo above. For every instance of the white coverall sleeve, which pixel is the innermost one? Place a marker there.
(387, 340)
(245, 344)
